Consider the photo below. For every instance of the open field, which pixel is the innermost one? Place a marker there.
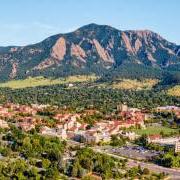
(135, 84)
(174, 91)
(130, 84)
(155, 130)
(41, 81)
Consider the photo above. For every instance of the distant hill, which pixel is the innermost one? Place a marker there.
(93, 48)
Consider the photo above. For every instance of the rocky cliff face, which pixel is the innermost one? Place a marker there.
(89, 46)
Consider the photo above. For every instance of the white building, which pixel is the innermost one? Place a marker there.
(122, 107)
(54, 132)
(177, 147)
(62, 133)
(3, 124)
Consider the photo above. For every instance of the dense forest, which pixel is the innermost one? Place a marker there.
(32, 156)
(77, 98)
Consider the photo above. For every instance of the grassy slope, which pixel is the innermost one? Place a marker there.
(174, 91)
(135, 84)
(130, 84)
(41, 81)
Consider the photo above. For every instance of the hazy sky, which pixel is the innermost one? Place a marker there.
(29, 21)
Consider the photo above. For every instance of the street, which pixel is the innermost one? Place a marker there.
(174, 173)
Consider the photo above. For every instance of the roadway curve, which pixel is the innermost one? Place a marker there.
(173, 173)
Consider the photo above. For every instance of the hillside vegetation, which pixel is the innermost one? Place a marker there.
(174, 91)
(135, 84)
(129, 84)
(126, 84)
(41, 81)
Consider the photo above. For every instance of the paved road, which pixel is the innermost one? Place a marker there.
(174, 173)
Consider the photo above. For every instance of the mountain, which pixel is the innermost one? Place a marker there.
(90, 49)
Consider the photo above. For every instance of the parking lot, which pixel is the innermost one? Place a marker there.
(131, 151)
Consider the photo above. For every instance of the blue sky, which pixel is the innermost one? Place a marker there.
(28, 21)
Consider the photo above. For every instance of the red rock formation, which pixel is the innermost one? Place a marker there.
(14, 70)
(77, 51)
(127, 42)
(45, 64)
(59, 49)
(150, 57)
(138, 45)
(102, 52)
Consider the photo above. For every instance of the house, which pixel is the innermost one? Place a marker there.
(169, 141)
(91, 137)
(122, 107)
(27, 110)
(53, 132)
(177, 114)
(114, 130)
(39, 106)
(4, 112)
(26, 123)
(168, 108)
(100, 126)
(105, 137)
(130, 135)
(90, 112)
(73, 129)
(61, 133)
(48, 131)
(61, 117)
(70, 85)
(3, 124)
(70, 134)
(68, 122)
(154, 138)
(83, 126)
(25, 126)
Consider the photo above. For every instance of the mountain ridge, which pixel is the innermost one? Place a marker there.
(89, 49)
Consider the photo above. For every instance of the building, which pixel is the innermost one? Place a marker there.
(25, 126)
(154, 138)
(122, 107)
(62, 133)
(4, 124)
(47, 131)
(177, 146)
(91, 137)
(130, 135)
(168, 108)
(70, 85)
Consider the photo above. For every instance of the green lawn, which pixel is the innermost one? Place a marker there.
(155, 130)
